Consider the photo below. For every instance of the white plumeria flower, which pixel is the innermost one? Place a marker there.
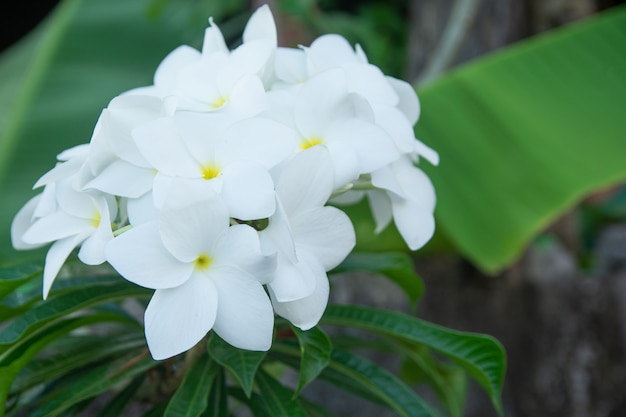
(217, 79)
(207, 275)
(308, 237)
(324, 113)
(232, 159)
(79, 219)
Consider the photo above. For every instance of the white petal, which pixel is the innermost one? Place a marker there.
(415, 183)
(239, 246)
(56, 226)
(290, 65)
(258, 139)
(60, 172)
(176, 319)
(306, 312)
(306, 181)
(247, 97)
(345, 162)
(426, 152)
(166, 74)
(408, 102)
(326, 233)
(330, 51)
(260, 26)
(56, 257)
(415, 224)
(244, 314)
(370, 82)
(21, 222)
(160, 143)
(191, 230)
(142, 210)
(92, 251)
(277, 236)
(319, 102)
(294, 281)
(248, 191)
(395, 123)
(380, 205)
(249, 58)
(372, 145)
(140, 257)
(213, 40)
(123, 179)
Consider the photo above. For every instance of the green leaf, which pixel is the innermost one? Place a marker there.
(116, 405)
(12, 278)
(279, 399)
(315, 350)
(449, 380)
(94, 382)
(20, 353)
(191, 397)
(71, 352)
(481, 355)
(218, 398)
(396, 266)
(254, 402)
(64, 304)
(242, 363)
(524, 134)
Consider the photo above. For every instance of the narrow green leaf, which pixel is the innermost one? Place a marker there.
(191, 397)
(380, 383)
(218, 398)
(73, 352)
(92, 383)
(481, 355)
(116, 405)
(66, 303)
(315, 349)
(396, 266)
(449, 380)
(254, 402)
(242, 363)
(316, 410)
(19, 354)
(12, 278)
(279, 399)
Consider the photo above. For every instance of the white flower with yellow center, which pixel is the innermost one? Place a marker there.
(308, 237)
(206, 273)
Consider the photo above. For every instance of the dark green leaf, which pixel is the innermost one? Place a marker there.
(315, 349)
(482, 356)
(279, 399)
(94, 382)
(12, 278)
(191, 397)
(218, 398)
(72, 352)
(64, 304)
(396, 266)
(242, 363)
(116, 405)
(254, 402)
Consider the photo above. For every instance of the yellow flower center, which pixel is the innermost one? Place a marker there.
(95, 220)
(210, 171)
(310, 142)
(218, 103)
(203, 262)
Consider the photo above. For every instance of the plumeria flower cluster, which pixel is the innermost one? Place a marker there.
(218, 185)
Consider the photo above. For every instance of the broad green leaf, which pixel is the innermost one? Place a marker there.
(315, 350)
(396, 266)
(242, 363)
(524, 134)
(191, 397)
(12, 278)
(94, 382)
(116, 405)
(481, 355)
(279, 399)
(64, 304)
